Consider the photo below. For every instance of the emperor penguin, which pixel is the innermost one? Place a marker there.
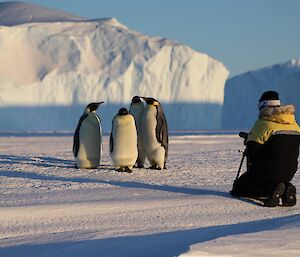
(136, 110)
(155, 137)
(123, 141)
(87, 142)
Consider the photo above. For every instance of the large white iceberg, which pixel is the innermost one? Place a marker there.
(53, 64)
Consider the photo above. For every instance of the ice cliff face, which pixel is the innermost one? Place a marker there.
(53, 64)
(243, 92)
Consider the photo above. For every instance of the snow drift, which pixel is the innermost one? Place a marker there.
(243, 92)
(53, 64)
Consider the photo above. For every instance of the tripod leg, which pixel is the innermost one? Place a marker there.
(240, 167)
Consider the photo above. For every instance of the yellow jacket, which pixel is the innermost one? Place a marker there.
(272, 119)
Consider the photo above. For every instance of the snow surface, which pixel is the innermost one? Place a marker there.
(49, 208)
(52, 66)
(243, 92)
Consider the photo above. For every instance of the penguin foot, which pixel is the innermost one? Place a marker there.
(121, 169)
(139, 166)
(155, 167)
(124, 169)
(128, 170)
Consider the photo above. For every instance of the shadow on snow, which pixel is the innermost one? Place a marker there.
(167, 244)
(128, 184)
(46, 162)
(40, 161)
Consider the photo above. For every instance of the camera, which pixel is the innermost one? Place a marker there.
(243, 134)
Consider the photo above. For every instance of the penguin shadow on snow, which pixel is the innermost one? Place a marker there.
(46, 162)
(124, 184)
(39, 161)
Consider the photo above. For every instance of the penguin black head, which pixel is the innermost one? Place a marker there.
(123, 111)
(151, 100)
(92, 106)
(136, 99)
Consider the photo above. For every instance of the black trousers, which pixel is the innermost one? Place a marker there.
(249, 185)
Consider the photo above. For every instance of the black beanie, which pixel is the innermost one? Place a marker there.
(269, 99)
(269, 95)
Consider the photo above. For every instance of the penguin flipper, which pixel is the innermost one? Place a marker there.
(111, 140)
(162, 129)
(111, 143)
(76, 135)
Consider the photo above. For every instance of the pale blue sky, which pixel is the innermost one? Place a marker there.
(243, 34)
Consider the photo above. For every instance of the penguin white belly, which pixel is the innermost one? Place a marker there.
(89, 146)
(154, 150)
(125, 150)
